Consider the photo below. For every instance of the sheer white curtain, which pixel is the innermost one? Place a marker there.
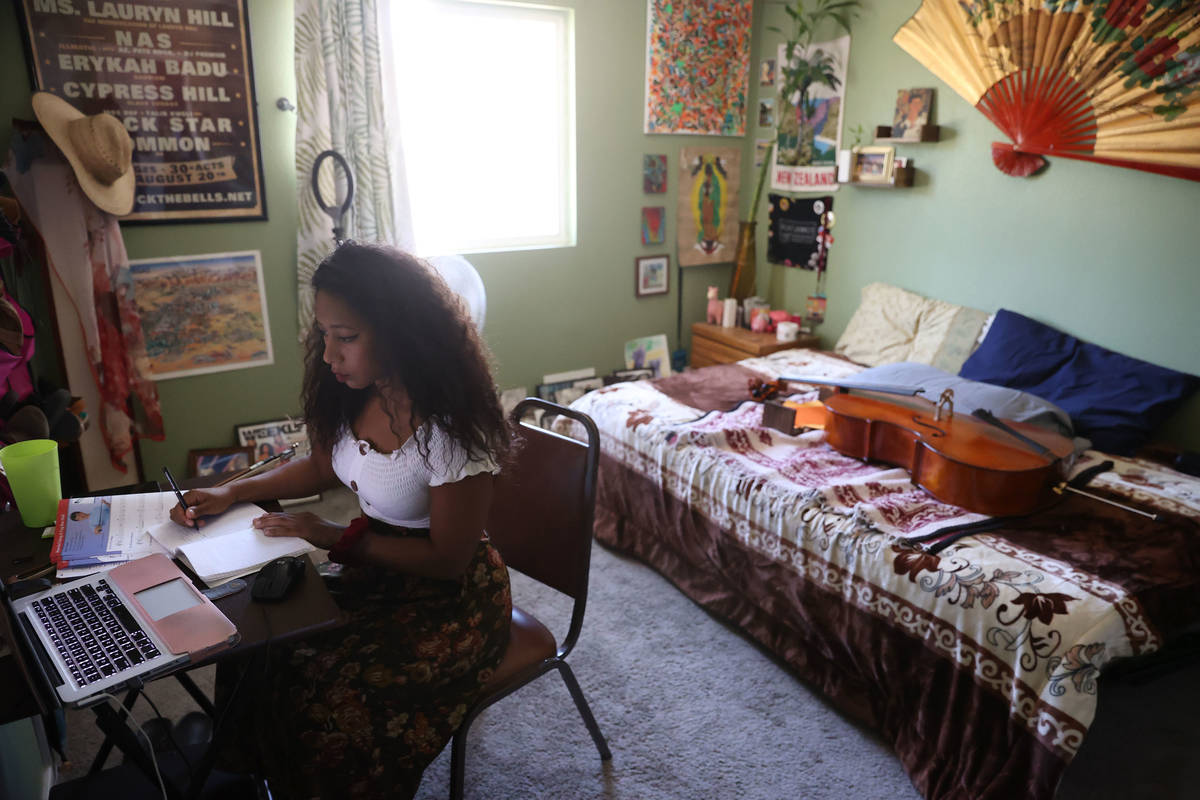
(341, 105)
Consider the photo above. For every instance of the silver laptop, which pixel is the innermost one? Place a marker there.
(102, 633)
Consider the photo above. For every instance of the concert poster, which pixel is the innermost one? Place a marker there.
(178, 75)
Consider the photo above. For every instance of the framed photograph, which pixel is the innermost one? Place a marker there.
(650, 275)
(219, 460)
(872, 165)
(181, 79)
(200, 314)
(268, 438)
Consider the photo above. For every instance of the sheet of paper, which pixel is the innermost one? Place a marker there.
(217, 560)
(236, 518)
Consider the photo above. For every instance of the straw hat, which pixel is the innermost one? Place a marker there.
(98, 147)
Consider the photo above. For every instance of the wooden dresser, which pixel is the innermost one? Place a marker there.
(713, 344)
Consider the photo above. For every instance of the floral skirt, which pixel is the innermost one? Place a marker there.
(360, 711)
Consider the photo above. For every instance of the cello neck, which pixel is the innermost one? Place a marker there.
(845, 386)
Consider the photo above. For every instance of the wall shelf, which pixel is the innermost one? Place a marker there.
(925, 133)
(902, 178)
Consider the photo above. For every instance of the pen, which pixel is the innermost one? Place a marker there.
(253, 468)
(179, 494)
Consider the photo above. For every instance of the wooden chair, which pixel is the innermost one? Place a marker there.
(541, 522)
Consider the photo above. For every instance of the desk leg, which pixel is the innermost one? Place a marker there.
(201, 699)
(107, 746)
(225, 719)
(117, 731)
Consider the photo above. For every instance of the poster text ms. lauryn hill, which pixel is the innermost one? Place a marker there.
(177, 74)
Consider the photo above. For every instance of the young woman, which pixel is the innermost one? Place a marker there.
(401, 408)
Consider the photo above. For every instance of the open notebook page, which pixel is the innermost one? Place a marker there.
(228, 546)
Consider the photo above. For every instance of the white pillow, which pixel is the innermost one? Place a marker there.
(883, 327)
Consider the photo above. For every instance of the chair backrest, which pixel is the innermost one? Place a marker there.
(544, 503)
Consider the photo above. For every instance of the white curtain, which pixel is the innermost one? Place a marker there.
(340, 105)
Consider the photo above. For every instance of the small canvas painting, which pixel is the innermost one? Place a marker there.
(912, 113)
(766, 72)
(653, 227)
(649, 352)
(766, 112)
(654, 174)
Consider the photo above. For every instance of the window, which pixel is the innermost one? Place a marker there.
(486, 111)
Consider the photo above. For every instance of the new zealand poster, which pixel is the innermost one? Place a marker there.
(177, 73)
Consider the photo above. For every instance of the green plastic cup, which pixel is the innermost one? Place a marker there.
(32, 470)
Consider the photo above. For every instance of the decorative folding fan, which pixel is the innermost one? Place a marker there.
(1113, 81)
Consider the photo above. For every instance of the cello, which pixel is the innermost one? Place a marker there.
(978, 462)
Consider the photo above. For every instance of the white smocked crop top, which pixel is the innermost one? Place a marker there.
(394, 487)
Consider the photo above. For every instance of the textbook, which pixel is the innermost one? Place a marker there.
(91, 533)
(227, 546)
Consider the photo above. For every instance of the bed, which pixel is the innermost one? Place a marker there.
(977, 662)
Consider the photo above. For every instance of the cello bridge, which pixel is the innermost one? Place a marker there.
(946, 402)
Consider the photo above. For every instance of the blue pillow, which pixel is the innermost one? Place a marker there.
(1113, 399)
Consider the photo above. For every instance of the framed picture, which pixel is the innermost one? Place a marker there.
(872, 165)
(650, 274)
(766, 112)
(189, 103)
(204, 313)
(268, 438)
(219, 460)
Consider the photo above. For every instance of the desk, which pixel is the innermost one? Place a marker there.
(308, 609)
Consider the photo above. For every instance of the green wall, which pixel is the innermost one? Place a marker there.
(1103, 253)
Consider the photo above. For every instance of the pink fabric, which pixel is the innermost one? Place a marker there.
(87, 255)
(14, 367)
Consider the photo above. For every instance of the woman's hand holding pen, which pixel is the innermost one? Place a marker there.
(305, 525)
(202, 503)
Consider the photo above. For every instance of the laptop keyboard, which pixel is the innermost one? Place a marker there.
(94, 633)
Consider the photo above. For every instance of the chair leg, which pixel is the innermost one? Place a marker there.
(585, 711)
(458, 756)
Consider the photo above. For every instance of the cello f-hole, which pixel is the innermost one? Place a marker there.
(936, 430)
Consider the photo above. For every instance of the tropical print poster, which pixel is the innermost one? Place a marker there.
(697, 66)
(708, 205)
(810, 121)
(202, 313)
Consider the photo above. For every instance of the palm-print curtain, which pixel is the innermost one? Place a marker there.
(340, 106)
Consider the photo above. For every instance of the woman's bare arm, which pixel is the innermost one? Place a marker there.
(457, 514)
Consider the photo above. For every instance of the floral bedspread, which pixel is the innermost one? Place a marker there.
(1029, 623)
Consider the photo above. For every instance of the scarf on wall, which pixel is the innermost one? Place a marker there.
(86, 254)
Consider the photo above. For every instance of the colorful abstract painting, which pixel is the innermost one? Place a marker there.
(697, 66)
(654, 174)
(708, 205)
(654, 224)
(202, 313)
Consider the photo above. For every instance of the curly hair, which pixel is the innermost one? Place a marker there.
(424, 341)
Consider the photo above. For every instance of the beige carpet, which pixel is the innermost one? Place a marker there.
(691, 709)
